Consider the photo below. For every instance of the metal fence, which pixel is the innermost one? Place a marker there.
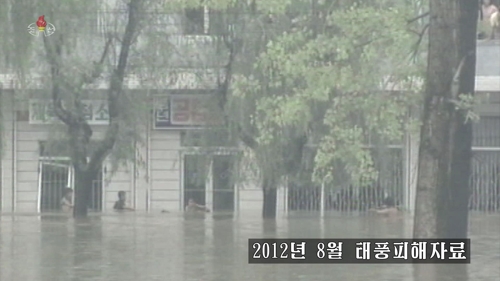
(485, 177)
(485, 182)
(344, 195)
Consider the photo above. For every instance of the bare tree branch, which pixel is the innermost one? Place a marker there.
(421, 36)
(116, 87)
(418, 17)
(455, 84)
(97, 71)
(53, 57)
(85, 80)
(224, 88)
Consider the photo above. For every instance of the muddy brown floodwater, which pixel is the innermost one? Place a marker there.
(172, 247)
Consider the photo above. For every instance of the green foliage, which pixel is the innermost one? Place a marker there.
(326, 79)
(467, 103)
(82, 44)
(133, 123)
(302, 70)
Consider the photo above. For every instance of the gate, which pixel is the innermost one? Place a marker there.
(54, 176)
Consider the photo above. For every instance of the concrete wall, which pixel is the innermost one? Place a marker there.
(165, 170)
(488, 52)
(8, 175)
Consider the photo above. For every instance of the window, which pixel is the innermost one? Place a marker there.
(486, 132)
(113, 19)
(195, 21)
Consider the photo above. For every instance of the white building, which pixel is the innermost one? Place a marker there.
(31, 180)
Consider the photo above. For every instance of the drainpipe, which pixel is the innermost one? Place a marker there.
(1, 148)
(14, 152)
(135, 171)
(148, 163)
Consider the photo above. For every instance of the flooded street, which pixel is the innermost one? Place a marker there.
(214, 248)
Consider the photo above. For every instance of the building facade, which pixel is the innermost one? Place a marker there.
(169, 172)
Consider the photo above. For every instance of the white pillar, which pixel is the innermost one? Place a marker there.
(322, 201)
(414, 145)
(104, 189)
(406, 171)
(280, 202)
(181, 183)
(236, 198)
(285, 197)
(209, 188)
(282, 198)
(39, 197)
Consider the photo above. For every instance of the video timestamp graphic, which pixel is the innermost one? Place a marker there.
(368, 251)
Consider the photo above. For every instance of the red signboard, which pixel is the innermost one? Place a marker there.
(182, 111)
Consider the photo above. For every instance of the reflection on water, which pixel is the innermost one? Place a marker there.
(213, 248)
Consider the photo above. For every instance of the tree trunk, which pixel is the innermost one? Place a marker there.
(447, 64)
(83, 191)
(455, 222)
(270, 192)
(79, 131)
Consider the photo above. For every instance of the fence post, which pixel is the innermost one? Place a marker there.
(39, 196)
(322, 203)
(282, 198)
(209, 185)
(322, 200)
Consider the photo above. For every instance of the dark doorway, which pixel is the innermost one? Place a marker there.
(223, 167)
(195, 174)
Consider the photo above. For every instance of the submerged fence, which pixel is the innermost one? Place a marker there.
(485, 176)
(342, 196)
(485, 182)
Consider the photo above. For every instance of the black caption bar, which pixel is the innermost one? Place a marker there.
(368, 251)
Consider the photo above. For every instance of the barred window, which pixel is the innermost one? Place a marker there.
(194, 21)
(486, 132)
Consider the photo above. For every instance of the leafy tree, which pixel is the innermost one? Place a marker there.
(67, 94)
(306, 87)
(75, 59)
